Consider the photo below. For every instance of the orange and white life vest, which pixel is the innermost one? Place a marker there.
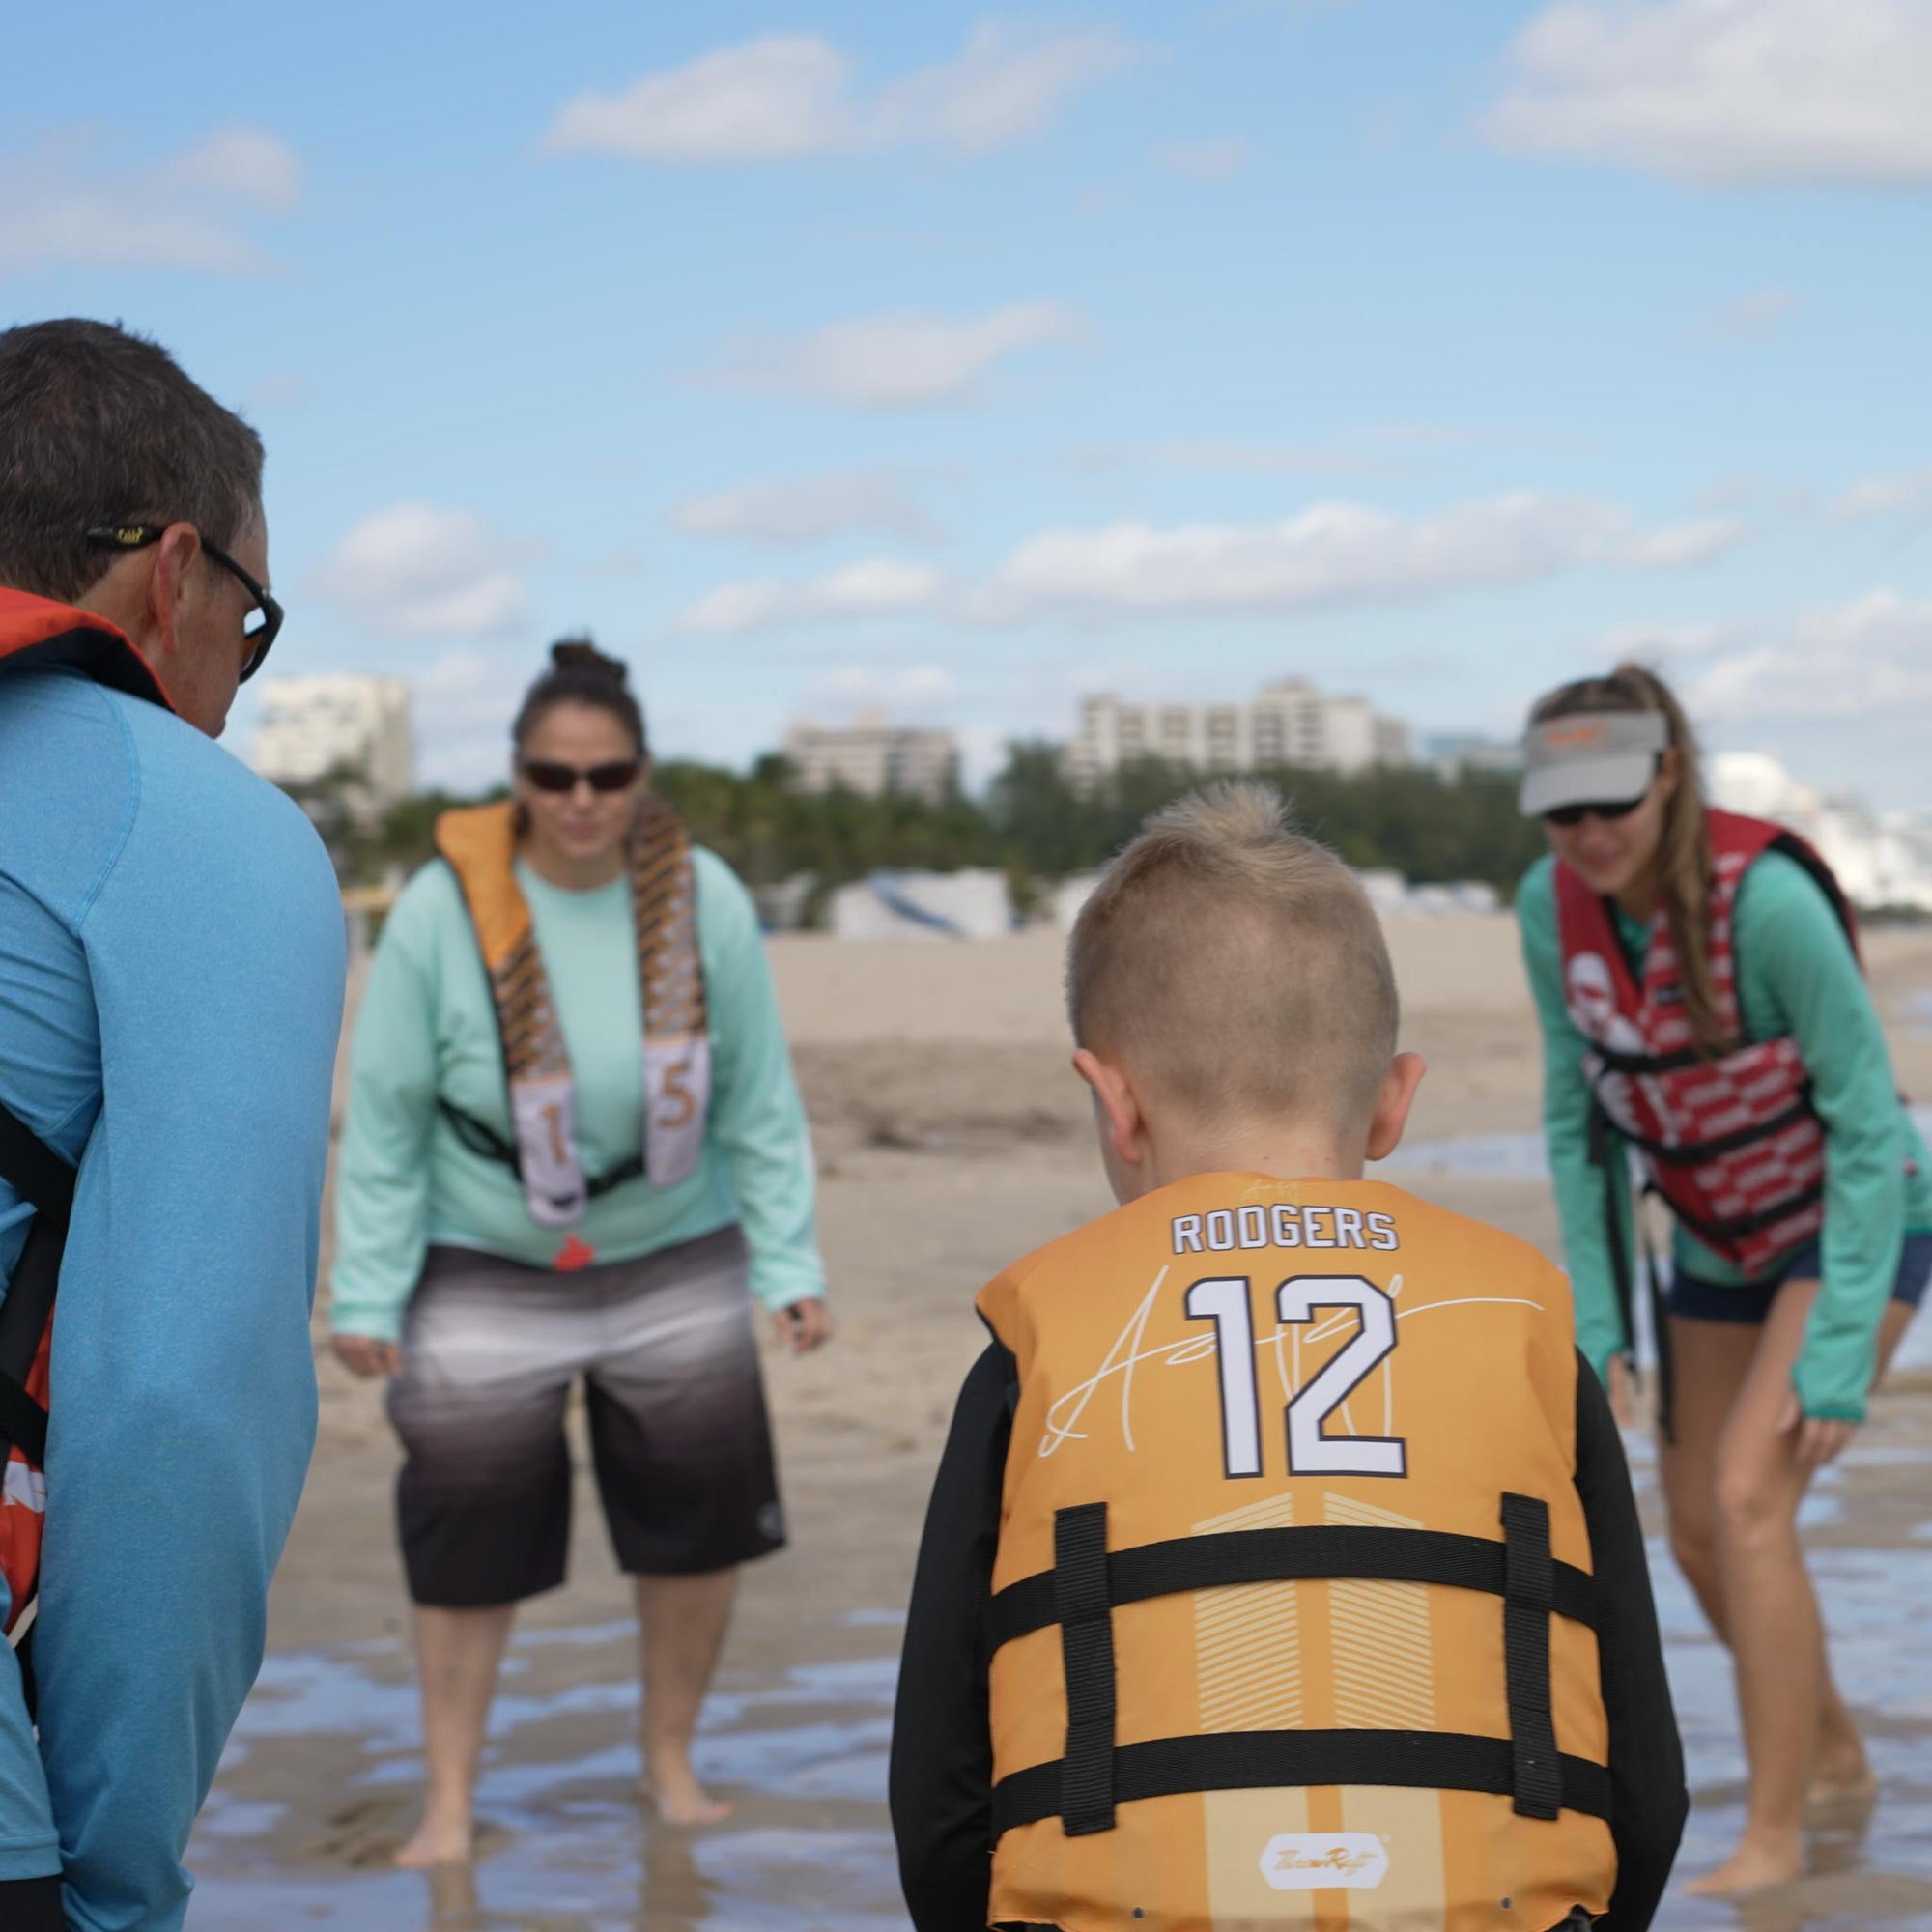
(1728, 1138)
(479, 845)
(1293, 1613)
(38, 632)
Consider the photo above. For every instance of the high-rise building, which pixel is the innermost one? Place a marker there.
(872, 757)
(348, 729)
(1287, 723)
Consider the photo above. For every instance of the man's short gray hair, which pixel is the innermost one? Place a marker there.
(100, 427)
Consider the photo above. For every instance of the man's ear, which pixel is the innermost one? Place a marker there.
(1392, 1104)
(1122, 1124)
(169, 593)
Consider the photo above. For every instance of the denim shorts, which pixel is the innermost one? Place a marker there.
(1698, 1299)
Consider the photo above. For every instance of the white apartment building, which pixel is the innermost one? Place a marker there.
(349, 722)
(872, 757)
(1287, 723)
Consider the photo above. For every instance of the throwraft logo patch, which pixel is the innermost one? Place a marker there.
(1324, 1862)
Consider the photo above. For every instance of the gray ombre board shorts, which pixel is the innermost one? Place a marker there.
(679, 1437)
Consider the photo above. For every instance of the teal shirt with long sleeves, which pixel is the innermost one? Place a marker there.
(427, 1031)
(1798, 975)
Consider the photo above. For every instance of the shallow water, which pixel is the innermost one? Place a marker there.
(804, 1759)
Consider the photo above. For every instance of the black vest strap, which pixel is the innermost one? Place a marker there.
(1288, 1556)
(1085, 1799)
(481, 1138)
(33, 1171)
(1084, 1787)
(1527, 1598)
(1250, 1760)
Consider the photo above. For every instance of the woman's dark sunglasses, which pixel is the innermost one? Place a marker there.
(259, 635)
(1574, 814)
(619, 776)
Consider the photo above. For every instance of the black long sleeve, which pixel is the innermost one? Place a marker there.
(942, 1760)
(1649, 1800)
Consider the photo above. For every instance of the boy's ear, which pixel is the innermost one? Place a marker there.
(1392, 1104)
(1122, 1124)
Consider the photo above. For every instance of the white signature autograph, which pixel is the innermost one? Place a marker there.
(1126, 1354)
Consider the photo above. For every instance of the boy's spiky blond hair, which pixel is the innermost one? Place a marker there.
(1235, 966)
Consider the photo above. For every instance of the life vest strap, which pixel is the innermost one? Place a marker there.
(1084, 1787)
(1311, 1554)
(1694, 1153)
(33, 1171)
(1717, 1233)
(481, 1138)
(1528, 1598)
(1085, 1613)
(1259, 1760)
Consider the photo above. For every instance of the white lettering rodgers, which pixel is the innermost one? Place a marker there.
(1284, 1226)
(1324, 1862)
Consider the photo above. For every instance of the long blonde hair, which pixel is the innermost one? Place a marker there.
(1682, 865)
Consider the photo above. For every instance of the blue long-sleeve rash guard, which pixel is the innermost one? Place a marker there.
(170, 995)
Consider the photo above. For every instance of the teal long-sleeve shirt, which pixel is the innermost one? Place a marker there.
(427, 1031)
(1797, 976)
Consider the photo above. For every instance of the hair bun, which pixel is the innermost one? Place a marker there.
(580, 654)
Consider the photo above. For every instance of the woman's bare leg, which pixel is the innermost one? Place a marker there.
(458, 1654)
(681, 1623)
(1771, 1612)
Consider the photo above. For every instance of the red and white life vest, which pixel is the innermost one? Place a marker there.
(36, 633)
(1729, 1140)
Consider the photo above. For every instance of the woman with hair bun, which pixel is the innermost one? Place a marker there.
(574, 1148)
(1703, 1008)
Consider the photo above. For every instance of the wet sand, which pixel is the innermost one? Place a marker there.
(951, 1139)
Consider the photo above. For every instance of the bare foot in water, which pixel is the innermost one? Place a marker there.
(437, 1841)
(673, 1789)
(1757, 1862)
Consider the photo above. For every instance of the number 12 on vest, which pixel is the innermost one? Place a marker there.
(1224, 1301)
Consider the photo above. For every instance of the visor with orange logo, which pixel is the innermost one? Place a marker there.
(1591, 757)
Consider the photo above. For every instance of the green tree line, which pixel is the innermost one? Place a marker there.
(1034, 822)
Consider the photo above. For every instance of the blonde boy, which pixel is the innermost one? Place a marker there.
(1282, 1568)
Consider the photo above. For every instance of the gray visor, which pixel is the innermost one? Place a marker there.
(1591, 757)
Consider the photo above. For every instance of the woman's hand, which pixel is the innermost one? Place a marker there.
(805, 1325)
(1820, 1437)
(365, 1357)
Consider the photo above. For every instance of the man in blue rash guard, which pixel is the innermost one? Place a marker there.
(170, 993)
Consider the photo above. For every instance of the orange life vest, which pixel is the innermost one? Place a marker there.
(36, 633)
(479, 845)
(1293, 1609)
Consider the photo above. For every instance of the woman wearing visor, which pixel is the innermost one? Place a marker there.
(1697, 978)
(574, 1149)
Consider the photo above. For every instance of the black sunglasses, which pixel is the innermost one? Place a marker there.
(260, 635)
(1574, 814)
(618, 775)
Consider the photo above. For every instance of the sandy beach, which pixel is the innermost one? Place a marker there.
(950, 1138)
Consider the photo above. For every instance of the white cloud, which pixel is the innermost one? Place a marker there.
(1905, 495)
(463, 704)
(878, 587)
(1869, 661)
(899, 361)
(1206, 160)
(807, 509)
(60, 206)
(784, 95)
(1728, 92)
(1750, 317)
(1333, 554)
(416, 570)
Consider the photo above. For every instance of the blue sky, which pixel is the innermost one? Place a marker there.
(957, 362)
